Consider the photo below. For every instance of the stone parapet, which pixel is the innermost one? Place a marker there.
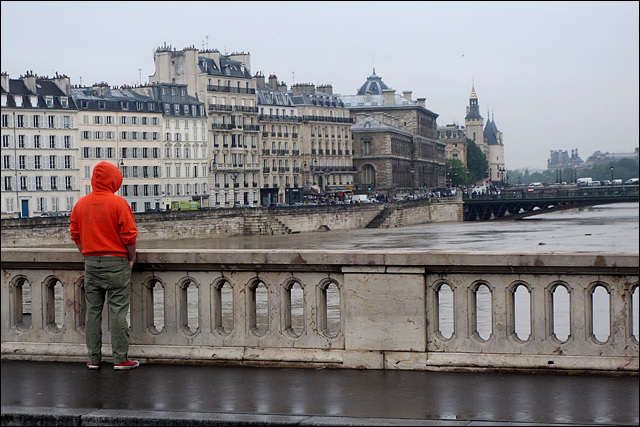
(344, 309)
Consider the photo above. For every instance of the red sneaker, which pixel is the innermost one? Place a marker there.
(93, 365)
(129, 364)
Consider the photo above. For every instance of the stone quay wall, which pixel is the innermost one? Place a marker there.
(336, 309)
(175, 225)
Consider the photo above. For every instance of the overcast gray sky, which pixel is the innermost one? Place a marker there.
(554, 75)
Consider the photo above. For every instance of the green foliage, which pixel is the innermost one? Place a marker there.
(476, 162)
(456, 172)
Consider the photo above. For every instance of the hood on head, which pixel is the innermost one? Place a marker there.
(106, 177)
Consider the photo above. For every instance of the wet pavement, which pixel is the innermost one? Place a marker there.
(245, 395)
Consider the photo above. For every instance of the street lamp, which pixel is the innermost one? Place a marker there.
(612, 174)
(234, 176)
(413, 171)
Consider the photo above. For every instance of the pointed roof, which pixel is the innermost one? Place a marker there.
(490, 132)
(374, 85)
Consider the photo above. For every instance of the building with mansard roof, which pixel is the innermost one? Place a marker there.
(313, 157)
(123, 127)
(406, 165)
(39, 146)
(224, 83)
(184, 153)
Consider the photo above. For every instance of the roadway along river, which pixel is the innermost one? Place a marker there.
(606, 228)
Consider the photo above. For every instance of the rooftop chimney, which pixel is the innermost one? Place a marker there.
(422, 102)
(389, 96)
(407, 95)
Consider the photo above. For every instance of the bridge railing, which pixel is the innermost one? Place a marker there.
(575, 192)
(349, 309)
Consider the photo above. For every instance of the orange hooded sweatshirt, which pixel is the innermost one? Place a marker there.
(101, 221)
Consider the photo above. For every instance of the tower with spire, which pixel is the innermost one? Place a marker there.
(473, 121)
(488, 138)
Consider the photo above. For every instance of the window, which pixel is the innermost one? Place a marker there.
(54, 182)
(7, 183)
(52, 122)
(22, 162)
(36, 121)
(67, 141)
(36, 162)
(5, 141)
(52, 141)
(20, 121)
(67, 183)
(52, 162)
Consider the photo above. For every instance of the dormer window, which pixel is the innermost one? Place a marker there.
(49, 100)
(124, 105)
(64, 101)
(102, 105)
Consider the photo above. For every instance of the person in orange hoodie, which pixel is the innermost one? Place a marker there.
(104, 230)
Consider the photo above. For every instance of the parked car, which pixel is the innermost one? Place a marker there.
(51, 214)
(632, 181)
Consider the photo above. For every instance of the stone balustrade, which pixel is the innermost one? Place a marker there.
(369, 309)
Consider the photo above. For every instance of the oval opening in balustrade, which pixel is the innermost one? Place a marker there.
(294, 311)
(21, 303)
(483, 311)
(522, 312)
(189, 315)
(223, 306)
(259, 313)
(445, 311)
(634, 312)
(600, 319)
(157, 306)
(54, 305)
(331, 312)
(561, 313)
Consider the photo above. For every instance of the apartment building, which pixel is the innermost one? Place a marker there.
(224, 83)
(280, 142)
(325, 139)
(39, 146)
(184, 144)
(124, 127)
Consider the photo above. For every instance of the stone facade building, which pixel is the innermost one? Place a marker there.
(184, 151)
(455, 138)
(125, 128)
(39, 146)
(413, 158)
(315, 156)
(224, 83)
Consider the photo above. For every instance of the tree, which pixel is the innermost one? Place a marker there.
(476, 162)
(456, 172)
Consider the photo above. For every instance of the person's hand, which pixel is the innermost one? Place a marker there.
(131, 262)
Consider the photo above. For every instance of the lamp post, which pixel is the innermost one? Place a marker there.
(466, 182)
(413, 171)
(327, 174)
(612, 174)
(234, 176)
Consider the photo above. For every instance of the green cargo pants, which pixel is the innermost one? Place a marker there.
(108, 276)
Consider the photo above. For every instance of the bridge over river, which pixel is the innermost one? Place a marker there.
(520, 203)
